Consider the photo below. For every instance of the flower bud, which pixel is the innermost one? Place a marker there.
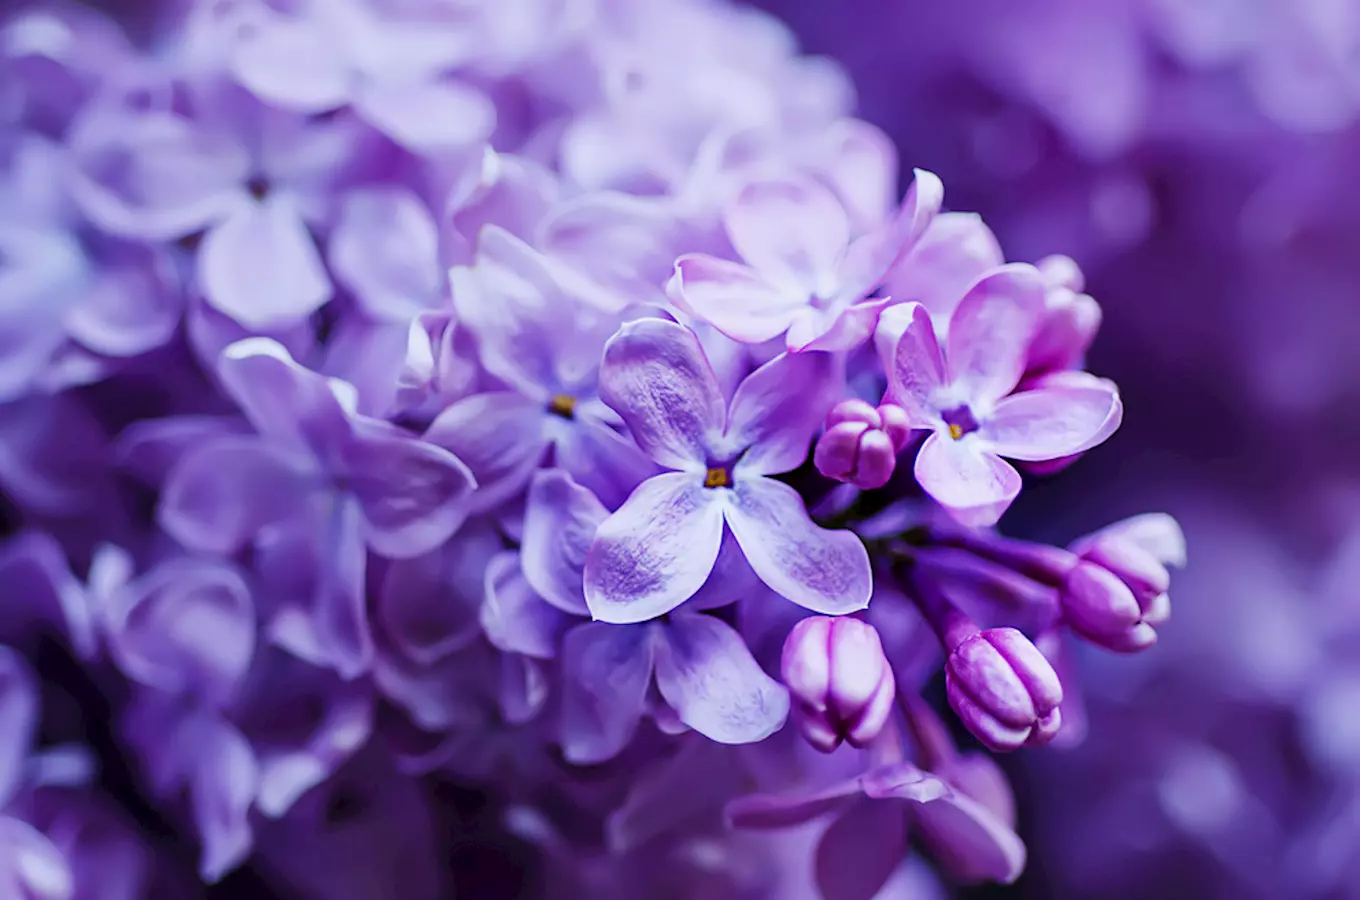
(1004, 690)
(861, 443)
(1117, 595)
(841, 683)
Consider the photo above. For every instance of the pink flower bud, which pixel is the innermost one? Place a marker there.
(861, 443)
(1004, 690)
(841, 683)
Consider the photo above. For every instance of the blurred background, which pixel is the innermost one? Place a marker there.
(1201, 160)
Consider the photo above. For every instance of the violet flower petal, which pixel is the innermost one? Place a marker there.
(606, 670)
(707, 675)
(974, 484)
(1051, 423)
(733, 298)
(824, 571)
(990, 331)
(560, 521)
(501, 438)
(776, 411)
(860, 851)
(656, 551)
(916, 372)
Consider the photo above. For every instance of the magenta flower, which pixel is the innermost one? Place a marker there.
(658, 549)
(962, 393)
(805, 275)
(841, 682)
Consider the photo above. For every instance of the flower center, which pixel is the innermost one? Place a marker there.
(563, 405)
(960, 421)
(718, 477)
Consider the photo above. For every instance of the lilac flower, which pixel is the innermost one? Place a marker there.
(515, 302)
(840, 680)
(803, 275)
(961, 391)
(658, 549)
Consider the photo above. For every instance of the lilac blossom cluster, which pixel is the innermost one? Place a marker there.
(558, 399)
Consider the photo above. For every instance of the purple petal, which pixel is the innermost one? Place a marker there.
(261, 267)
(656, 551)
(429, 604)
(869, 259)
(151, 448)
(990, 331)
(621, 242)
(916, 372)
(902, 781)
(223, 787)
(185, 626)
(44, 595)
(292, 63)
(501, 438)
(759, 812)
(968, 840)
(861, 850)
(411, 492)
(674, 793)
(793, 232)
(18, 720)
(31, 866)
(428, 116)
(221, 494)
(1054, 422)
(560, 521)
(861, 166)
(656, 377)
(707, 675)
(601, 459)
(285, 402)
(776, 411)
(606, 670)
(974, 484)
(956, 250)
(733, 298)
(515, 618)
(133, 306)
(846, 330)
(385, 250)
(154, 176)
(824, 571)
(1156, 533)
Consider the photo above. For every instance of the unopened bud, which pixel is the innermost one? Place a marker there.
(861, 443)
(1004, 690)
(840, 680)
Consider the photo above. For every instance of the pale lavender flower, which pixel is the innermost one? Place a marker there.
(658, 549)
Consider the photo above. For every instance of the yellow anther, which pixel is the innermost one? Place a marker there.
(956, 431)
(563, 405)
(717, 478)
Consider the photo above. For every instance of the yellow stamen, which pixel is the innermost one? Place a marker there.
(563, 405)
(717, 478)
(956, 431)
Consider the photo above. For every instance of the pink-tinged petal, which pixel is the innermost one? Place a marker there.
(825, 571)
(1156, 533)
(968, 840)
(656, 551)
(975, 485)
(776, 411)
(606, 670)
(261, 267)
(955, 250)
(411, 492)
(1051, 423)
(286, 402)
(792, 231)
(733, 298)
(706, 673)
(429, 605)
(601, 459)
(560, 521)
(514, 617)
(870, 258)
(18, 719)
(990, 331)
(916, 371)
(221, 494)
(501, 438)
(860, 851)
(153, 176)
(656, 377)
(846, 330)
(385, 250)
(759, 812)
(293, 64)
(428, 116)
